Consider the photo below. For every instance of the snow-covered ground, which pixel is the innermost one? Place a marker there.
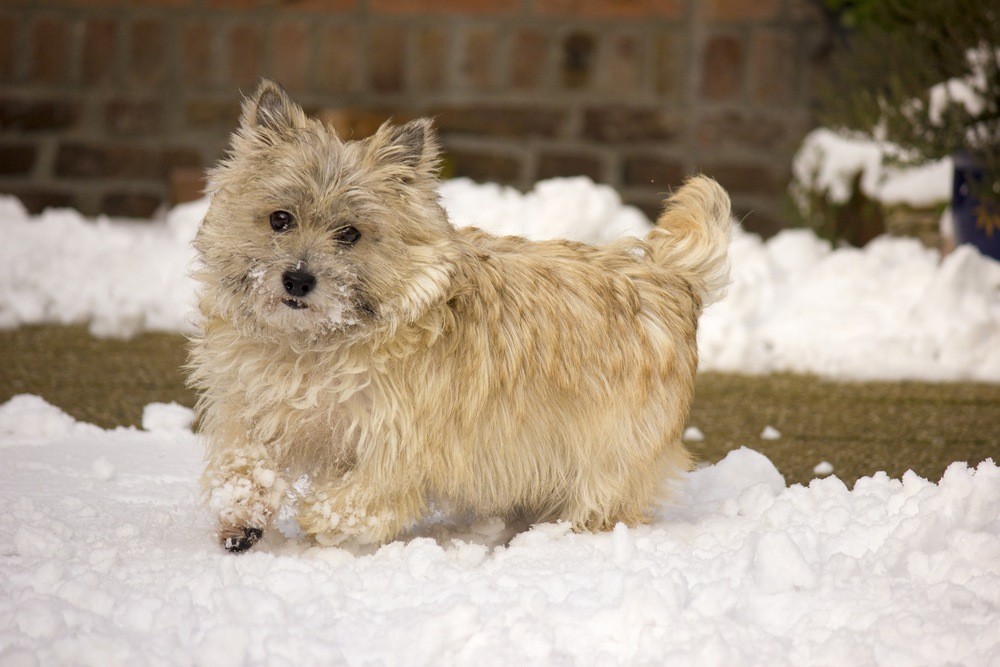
(891, 310)
(107, 558)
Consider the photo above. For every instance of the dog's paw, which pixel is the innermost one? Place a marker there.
(239, 540)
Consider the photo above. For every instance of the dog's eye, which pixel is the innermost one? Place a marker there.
(347, 235)
(281, 220)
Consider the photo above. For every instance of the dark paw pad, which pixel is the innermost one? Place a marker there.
(238, 543)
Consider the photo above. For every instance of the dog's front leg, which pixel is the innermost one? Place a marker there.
(359, 509)
(244, 490)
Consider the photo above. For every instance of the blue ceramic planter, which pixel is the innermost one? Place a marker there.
(975, 222)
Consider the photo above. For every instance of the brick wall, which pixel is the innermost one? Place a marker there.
(117, 105)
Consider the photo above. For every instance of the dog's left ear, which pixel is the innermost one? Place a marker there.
(412, 147)
(270, 108)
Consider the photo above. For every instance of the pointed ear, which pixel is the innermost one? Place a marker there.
(413, 145)
(269, 107)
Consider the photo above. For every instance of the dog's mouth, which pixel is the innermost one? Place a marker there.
(295, 304)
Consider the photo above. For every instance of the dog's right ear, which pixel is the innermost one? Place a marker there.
(269, 109)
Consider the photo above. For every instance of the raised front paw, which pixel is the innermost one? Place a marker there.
(237, 540)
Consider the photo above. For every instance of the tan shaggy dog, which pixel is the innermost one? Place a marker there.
(350, 333)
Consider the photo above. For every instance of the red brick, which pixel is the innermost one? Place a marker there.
(106, 4)
(147, 52)
(723, 68)
(669, 65)
(36, 199)
(619, 123)
(475, 69)
(130, 117)
(245, 55)
(387, 52)
(17, 159)
(186, 184)
(325, 6)
(755, 131)
(741, 10)
(242, 5)
(652, 171)
(100, 49)
(338, 65)
(197, 61)
(174, 158)
(211, 115)
(88, 160)
(578, 56)
(806, 11)
(648, 201)
(766, 224)
(500, 121)
(485, 165)
(622, 64)
(610, 9)
(290, 44)
(358, 123)
(744, 178)
(554, 164)
(92, 161)
(51, 57)
(445, 6)
(430, 68)
(130, 204)
(529, 59)
(31, 115)
(773, 59)
(9, 30)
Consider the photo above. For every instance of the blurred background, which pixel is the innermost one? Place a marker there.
(117, 106)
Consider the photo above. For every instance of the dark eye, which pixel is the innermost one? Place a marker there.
(281, 220)
(347, 235)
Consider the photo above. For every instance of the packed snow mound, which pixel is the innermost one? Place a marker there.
(892, 310)
(121, 278)
(109, 559)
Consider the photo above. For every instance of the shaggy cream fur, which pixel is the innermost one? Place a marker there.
(546, 380)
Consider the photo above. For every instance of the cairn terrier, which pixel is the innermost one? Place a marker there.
(349, 333)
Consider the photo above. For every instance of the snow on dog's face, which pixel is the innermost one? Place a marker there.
(310, 234)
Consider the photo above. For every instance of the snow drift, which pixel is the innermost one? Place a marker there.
(892, 310)
(106, 558)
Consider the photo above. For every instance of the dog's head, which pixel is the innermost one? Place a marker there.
(308, 234)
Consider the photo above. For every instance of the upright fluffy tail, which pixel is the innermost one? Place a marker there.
(692, 237)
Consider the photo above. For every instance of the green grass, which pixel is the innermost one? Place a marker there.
(860, 428)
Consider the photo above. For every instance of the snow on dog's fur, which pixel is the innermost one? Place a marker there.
(351, 333)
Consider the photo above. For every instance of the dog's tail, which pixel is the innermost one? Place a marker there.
(692, 237)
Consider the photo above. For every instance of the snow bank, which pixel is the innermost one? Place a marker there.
(891, 310)
(122, 569)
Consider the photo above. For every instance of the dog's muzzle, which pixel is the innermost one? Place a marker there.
(297, 283)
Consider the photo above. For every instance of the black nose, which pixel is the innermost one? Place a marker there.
(298, 282)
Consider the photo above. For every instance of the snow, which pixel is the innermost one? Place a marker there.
(692, 434)
(828, 163)
(893, 310)
(167, 418)
(122, 569)
(823, 468)
(770, 433)
(967, 93)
